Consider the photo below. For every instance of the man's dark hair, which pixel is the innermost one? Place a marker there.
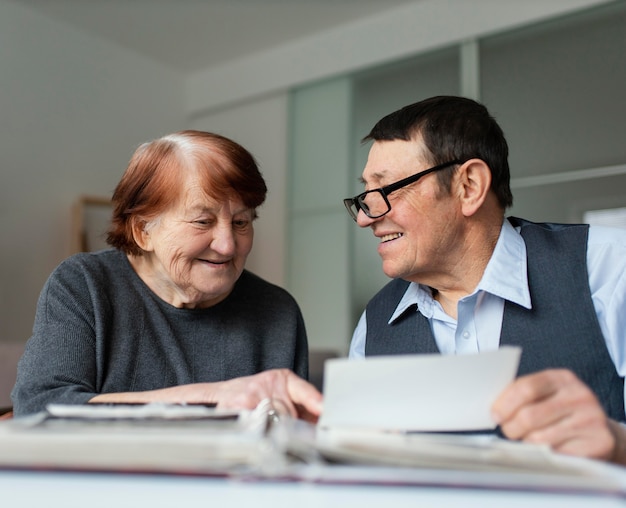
(452, 128)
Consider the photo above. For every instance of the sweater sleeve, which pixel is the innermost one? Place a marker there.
(59, 361)
(301, 366)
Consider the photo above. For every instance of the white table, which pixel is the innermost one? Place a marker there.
(108, 490)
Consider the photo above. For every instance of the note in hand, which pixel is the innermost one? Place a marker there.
(425, 393)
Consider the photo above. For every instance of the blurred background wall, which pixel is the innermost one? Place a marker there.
(74, 106)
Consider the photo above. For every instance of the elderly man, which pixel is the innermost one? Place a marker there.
(466, 279)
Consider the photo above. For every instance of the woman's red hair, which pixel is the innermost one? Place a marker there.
(155, 175)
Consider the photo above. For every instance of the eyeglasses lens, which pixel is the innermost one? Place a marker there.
(373, 204)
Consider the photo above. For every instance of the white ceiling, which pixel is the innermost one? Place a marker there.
(191, 35)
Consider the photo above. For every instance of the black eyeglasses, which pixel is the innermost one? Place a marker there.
(377, 203)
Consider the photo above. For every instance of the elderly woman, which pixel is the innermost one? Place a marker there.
(170, 314)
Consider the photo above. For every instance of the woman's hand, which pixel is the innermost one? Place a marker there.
(288, 392)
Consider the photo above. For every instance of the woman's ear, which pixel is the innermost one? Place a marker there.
(474, 185)
(141, 234)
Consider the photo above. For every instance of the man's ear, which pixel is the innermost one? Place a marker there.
(474, 184)
(141, 234)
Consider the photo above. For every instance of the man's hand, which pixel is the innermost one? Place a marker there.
(554, 407)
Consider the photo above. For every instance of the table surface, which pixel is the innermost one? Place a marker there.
(68, 490)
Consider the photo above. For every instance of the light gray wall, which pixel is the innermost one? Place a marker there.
(559, 91)
(319, 275)
(73, 109)
(400, 32)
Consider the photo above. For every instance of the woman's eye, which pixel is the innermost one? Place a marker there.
(241, 224)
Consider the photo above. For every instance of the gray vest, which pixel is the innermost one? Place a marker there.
(560, 331)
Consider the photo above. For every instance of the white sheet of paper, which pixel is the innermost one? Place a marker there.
(417, 392)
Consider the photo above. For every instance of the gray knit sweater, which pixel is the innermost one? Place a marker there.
(100, 329)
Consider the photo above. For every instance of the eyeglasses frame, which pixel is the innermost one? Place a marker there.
(388, 189)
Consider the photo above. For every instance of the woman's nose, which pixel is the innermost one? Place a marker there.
(223, 240)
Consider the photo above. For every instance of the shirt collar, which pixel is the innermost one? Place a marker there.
(505, 277)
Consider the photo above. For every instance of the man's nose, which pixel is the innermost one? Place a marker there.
(363, 220)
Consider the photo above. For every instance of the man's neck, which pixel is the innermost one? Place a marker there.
(466, 272)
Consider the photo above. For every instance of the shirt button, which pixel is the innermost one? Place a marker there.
(466, 335)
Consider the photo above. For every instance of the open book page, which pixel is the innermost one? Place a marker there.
(478, 452)
(344, 456)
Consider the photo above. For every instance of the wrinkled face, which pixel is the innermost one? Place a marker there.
(197, 249)
(420, 232)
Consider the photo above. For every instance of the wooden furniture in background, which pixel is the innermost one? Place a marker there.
(90, 221)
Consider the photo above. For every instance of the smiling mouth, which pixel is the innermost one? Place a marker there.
(388, 238)
(213, 262)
